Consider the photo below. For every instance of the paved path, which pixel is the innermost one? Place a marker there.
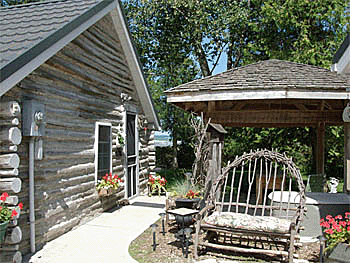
(105, 238)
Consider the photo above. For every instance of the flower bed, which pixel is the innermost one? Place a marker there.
(336, 230)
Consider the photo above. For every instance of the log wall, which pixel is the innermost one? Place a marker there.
(10, 138)
(79, 86)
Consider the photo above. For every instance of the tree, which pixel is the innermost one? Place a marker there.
(180, 40)
(245, 30)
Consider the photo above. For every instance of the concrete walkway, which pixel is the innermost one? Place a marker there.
(105, 238)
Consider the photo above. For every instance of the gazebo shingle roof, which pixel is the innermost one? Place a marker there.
(269, 74)
(271, 93)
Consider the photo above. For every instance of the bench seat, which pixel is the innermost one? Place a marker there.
(248, 222)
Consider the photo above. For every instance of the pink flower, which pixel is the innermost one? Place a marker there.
(339, 217)
(342, 223)
(329, 217)
(329, 231)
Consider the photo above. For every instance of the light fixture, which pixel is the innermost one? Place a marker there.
(163, 225)
(154, 228)
(187, 236)
(322, 240)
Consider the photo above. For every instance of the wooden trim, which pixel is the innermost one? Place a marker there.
(241, 94)
(275, 117)
(134, 65)
(97, 125)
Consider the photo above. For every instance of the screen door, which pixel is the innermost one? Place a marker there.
(131, 147)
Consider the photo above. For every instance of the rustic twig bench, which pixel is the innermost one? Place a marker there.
(255, 206)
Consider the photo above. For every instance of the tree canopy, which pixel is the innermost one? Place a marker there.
(180, 40)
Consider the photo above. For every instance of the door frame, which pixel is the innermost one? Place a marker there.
(130, 110)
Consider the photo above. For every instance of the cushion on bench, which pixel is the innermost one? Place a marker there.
(248, 222)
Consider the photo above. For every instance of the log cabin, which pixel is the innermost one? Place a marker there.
(72, 91)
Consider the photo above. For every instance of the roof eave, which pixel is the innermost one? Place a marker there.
(256, 95)
(135, 67)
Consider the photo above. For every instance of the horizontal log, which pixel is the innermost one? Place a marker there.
(10, 184)
(9, 172)
(14, 235)
(9, 248)
(9, 122)
(8, 148)
(9, 109)
(10, 160)
(11, 257)
(12, 135)
(246, 250)
(12, 200)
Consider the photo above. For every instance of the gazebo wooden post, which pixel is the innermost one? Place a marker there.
(216, 145)
(347, 157)
(320, 148)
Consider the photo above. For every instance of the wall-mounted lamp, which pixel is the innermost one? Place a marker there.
(125, 97)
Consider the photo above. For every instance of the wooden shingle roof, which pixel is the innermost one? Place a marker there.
(269, 93)
(268, 75)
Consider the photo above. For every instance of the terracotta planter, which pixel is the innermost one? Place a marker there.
(3, 229)
(106, 192)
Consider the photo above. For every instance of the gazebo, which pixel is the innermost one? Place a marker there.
(272, 93)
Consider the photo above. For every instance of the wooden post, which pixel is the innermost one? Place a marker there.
(347, 157)
(320, 148)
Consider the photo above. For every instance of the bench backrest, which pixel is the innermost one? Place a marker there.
(261, 182)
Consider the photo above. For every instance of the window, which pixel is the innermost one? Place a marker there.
(103, 149)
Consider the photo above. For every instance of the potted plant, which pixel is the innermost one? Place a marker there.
(337, 232)
(6, 215)
(109, 184)
(189, 200)
(156, 184)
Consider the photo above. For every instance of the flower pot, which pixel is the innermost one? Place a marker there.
(106, 192)
(3, 229)
(155, 192)
(341, 253)
(187, 203)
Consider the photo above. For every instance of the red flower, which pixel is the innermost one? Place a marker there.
(14, 213)
(20, 205)
(342, 223)
(4, 196)
(347, 214)
(339, 217)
